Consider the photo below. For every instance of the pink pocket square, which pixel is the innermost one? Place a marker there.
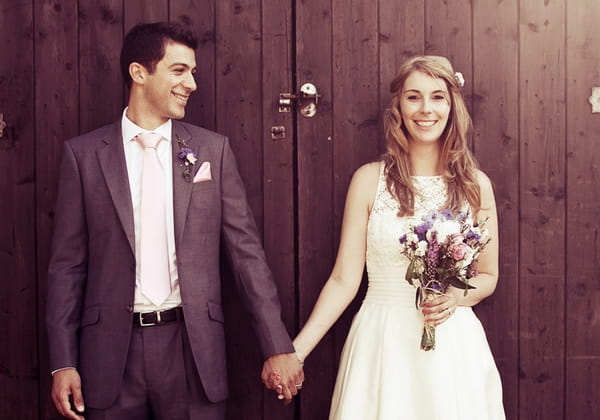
(203, 173)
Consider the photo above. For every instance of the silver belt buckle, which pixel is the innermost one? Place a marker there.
(149, 324)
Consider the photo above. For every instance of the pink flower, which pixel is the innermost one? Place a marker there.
(458, 250)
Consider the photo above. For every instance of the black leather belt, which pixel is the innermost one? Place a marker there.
(148, 319)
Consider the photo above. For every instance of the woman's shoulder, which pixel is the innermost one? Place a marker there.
(484, 182)
(365, 182)
(486, 188)
(369, 171)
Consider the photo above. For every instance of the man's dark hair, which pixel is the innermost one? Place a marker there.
(145, 44)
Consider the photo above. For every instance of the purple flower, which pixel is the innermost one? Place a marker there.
(431, 258)
(472, 236)
(447, 214)
(437, 286)
(422, 229)
(183, 152)
(403, 239)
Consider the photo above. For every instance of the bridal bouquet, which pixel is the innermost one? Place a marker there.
(442, 250)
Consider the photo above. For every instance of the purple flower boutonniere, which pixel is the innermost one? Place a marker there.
(187, 157)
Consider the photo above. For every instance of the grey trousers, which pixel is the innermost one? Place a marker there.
(161, 381)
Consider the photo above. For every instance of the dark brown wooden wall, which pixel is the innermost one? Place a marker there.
(529, 66)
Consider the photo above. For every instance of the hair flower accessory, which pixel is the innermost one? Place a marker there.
(187, 157)
(459, 78)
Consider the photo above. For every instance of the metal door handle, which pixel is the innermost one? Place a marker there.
(307, 100)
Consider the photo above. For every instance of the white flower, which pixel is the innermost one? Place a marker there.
(444, 229)
(191, 158)
(412, 238)
(459, 78)
(421, 249)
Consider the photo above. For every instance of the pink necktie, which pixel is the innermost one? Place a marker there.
(154, 265)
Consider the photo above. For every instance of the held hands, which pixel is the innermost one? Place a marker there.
(283, 373)
(440, 309)
(67, 383)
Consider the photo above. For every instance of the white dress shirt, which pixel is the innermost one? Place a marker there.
(134, 158)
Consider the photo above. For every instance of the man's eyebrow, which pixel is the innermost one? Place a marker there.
(187, 66)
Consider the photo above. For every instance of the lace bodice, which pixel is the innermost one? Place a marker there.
(385, 227)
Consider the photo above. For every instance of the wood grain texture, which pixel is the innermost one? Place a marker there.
(18, 290)
(200, 17)
(495, 116)
(138, 11)
(56, 119)
(401, 36)
(239, 116)
(278, 171)
(542, 216)
(529, 68)
(582, 310)
(448, 32)
(315, 194)
(356, 134)
(100, 83)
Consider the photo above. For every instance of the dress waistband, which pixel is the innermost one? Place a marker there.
(390, 290)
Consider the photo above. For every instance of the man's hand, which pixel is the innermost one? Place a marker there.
(283, 373)
(67, 383)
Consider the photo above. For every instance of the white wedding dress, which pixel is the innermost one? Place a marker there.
(384, 374)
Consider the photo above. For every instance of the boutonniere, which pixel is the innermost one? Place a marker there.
(187, 157)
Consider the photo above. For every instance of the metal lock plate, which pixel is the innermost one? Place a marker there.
(277, 132)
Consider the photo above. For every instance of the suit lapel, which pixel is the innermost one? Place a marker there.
(182, 189)
(114, 169)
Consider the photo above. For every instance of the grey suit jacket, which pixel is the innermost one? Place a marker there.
(92, 267)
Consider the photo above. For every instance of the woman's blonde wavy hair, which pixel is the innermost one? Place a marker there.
(457, 164)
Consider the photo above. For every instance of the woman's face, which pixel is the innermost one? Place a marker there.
(425, 106)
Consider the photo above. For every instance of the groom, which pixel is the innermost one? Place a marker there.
(135, 322)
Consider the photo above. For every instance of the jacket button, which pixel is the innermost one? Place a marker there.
(129, 308)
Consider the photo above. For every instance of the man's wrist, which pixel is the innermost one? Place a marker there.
(61, 369)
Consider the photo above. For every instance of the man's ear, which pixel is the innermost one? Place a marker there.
(138, 73)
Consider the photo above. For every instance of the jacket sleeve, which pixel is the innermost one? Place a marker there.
(254, 279)
(67, 271)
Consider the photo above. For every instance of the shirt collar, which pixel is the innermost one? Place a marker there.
(129, 129)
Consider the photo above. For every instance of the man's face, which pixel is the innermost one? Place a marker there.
(167, 89)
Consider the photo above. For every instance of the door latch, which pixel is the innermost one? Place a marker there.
(307, 100)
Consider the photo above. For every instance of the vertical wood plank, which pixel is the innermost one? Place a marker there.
(200, 109)
(18, 290)
(496, 124)
(239, 108)
(582, 311)
(542, 191)
(448, 32)
(138, 11)
(56, 119)
(101, 83)
(356, 128)
(278, 170)
(315, 195)
(401, 36)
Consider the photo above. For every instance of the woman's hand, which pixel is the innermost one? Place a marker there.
(439, 309)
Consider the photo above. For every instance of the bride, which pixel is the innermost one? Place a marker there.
(383, 373)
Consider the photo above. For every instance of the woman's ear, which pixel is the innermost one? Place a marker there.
(138, 73)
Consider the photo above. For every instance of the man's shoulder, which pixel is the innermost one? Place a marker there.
(197, 131)
(105, 132)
